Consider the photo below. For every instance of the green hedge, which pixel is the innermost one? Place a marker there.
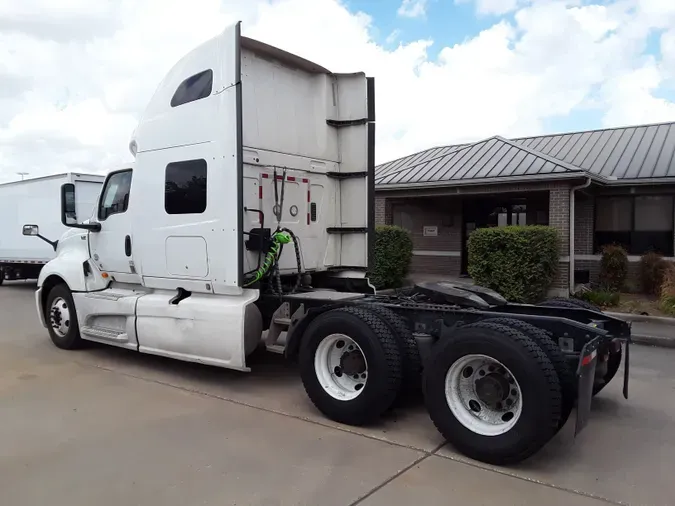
(613, 268)
(520, 262)
(393, 253)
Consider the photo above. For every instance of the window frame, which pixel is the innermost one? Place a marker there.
(631, 230)
(206, 193)
(106, 185)
(183, 86)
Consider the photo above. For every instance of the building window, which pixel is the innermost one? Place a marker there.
(638, 223)
(115, 199)
(402, 216)
(185, 187)
(193, 88)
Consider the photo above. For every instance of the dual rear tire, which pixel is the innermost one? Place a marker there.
(496, 390)
(351, 365)
(493, 393)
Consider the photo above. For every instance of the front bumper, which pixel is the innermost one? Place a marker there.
(38, 307)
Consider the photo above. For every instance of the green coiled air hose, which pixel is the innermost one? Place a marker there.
(277, 240)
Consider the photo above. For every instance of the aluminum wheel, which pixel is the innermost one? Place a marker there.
(341, 367)
(483, 395)
(59, 317)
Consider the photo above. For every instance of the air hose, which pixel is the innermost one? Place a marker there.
(282, 236)
(271, 258)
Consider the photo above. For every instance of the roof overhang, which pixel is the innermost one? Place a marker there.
(534, 178)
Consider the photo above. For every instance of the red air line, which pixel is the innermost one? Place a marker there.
(589, 358)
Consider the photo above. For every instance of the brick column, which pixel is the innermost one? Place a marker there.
(383, 215)
(584, 212)
(559, 218)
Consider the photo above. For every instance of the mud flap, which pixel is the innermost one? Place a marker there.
(585, 379)
(626, 369)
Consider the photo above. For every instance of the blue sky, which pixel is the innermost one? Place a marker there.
(101, 63)
(449, 22)
(445, 22)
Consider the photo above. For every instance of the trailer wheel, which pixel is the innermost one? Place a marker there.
(493, 393)
(567, 378)
(61, 318)
(410, 354)
(350, 365)
(570, 302)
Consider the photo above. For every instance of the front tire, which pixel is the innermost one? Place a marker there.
(61, 318)
(350, 365)
(493, 393)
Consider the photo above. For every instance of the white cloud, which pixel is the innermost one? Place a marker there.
(74, 78)
(412, 8)
(493, 7)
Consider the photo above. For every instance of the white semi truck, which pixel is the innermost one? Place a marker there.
(246, 221)
(36, 200)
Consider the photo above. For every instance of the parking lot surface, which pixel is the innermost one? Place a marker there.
(106, 426)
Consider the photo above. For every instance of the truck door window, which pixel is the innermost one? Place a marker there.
(185, 187)
(193, 88)
(115, 198)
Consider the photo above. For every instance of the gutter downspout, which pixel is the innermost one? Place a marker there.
(571, 241)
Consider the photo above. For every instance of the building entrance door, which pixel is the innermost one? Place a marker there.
(500, 211)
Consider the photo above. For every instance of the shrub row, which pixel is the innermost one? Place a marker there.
(520, 262)
(393, 254)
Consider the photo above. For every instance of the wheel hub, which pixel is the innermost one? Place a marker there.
(492, 389)
(341, 367)
(59, 317)
(483, 395)
(352, 362)
(56, 317)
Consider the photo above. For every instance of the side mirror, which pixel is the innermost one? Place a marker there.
(68, 215)
(31, 230)
(34, 230)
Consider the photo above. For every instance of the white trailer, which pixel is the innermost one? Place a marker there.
(247, 222)
(37, 200)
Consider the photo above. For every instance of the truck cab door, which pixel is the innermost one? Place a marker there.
(111, 248)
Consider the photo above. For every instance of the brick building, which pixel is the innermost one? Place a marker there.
(595, 187)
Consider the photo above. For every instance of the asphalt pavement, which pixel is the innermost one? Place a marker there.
(107, 426)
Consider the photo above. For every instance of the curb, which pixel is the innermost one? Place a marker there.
(661, 320)
(661, 342)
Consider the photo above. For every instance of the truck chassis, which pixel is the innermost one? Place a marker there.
(499, 380)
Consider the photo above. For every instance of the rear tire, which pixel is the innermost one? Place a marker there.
(570, 303)
(61, 318)
(330, 358)
(567, 378)
(499, 440)
(410, 354)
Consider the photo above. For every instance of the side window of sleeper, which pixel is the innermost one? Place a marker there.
(185, 187)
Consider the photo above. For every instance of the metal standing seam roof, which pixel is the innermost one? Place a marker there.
(637, 152)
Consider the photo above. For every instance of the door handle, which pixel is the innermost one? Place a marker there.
(127, 245)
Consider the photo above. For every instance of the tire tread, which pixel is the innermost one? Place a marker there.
(536, 440)
(566, 377)
(393, 369)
